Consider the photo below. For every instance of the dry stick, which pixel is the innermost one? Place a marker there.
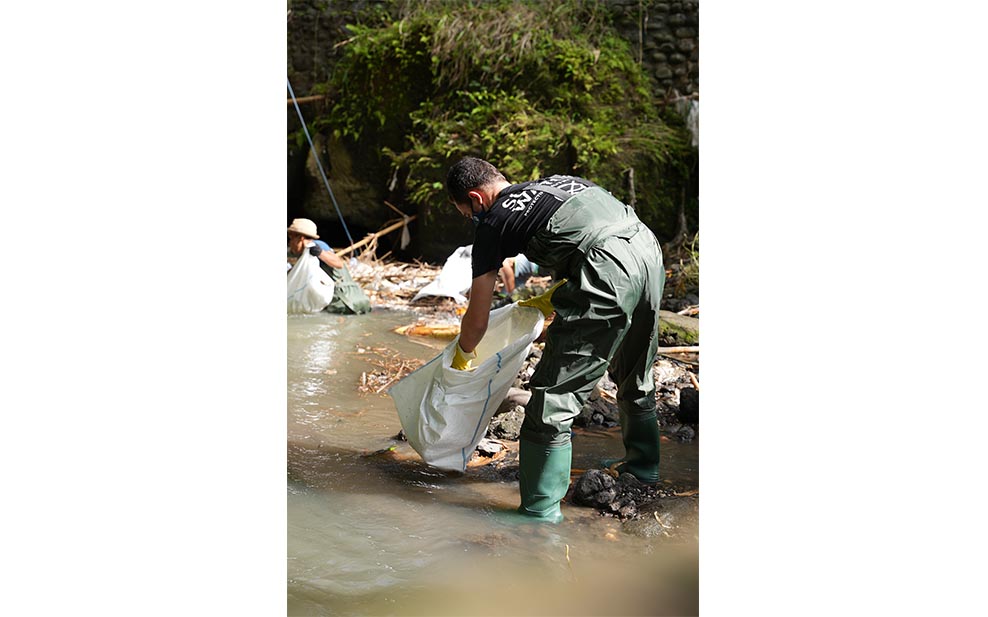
(402, 214)
(307, 99)
(386, 384)
(398, 374)
(695, 349)
(696, 384)
(570, 563)
(661, 524)
(394, 208)
(375, 236)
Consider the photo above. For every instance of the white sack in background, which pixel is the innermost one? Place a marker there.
(454, 279)
(445, 412)
(310, 289)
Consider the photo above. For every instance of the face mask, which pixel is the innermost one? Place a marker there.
(478, 217)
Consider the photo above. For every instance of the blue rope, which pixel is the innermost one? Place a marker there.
(315, 154)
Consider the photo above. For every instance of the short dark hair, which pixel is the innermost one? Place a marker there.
(469, 173)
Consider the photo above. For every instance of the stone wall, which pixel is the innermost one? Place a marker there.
(664, 35)
(665, 38)
(314, 28)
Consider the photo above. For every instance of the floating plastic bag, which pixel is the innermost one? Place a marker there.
(310, 289)
(445, 412)
(454, 279)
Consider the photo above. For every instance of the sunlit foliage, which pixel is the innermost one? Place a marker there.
(536, 88)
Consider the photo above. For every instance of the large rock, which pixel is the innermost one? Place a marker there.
(360, 201)
(595, 488)
(621, 497)
(674, 517)
(685, 330)
(689, 406)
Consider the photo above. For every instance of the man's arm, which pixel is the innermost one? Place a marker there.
(474, 322)
(325, 254)
(508, 274)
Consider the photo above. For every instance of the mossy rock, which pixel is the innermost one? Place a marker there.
(682, 328)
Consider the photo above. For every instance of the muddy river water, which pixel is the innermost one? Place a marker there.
(380, 533)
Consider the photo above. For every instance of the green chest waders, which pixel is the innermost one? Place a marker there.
(606, 314)
(348, 297)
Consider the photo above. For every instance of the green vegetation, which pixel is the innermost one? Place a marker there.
(686, 273)
(534, 87)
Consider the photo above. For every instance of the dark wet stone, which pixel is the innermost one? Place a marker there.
(672, 426)
(584, 419)
(686, 434)
(595, 488)
(625, 497)
(597, 412)
(689, 406)
(606, 408)
(629, 481)
(508, 425)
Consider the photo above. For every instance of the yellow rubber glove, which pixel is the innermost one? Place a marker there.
(463, 361)
(543, 302)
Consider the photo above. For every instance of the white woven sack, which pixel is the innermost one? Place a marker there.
(454, 279)
(310, 289)
(445, 412)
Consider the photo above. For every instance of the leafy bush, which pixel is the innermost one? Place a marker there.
(534, 87)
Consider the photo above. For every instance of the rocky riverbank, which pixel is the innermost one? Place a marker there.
(659, 509)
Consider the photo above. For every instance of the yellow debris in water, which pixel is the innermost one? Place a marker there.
(445, 331)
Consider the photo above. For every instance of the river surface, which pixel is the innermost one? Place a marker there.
(374, 531)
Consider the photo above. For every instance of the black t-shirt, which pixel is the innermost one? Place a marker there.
(519, 211)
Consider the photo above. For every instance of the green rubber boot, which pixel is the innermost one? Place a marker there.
(641, 447)
(544, 479)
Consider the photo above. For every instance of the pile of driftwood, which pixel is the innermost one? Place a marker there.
(390, 368)
(392, 284)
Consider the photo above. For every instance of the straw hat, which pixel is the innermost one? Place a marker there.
(305, 227)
